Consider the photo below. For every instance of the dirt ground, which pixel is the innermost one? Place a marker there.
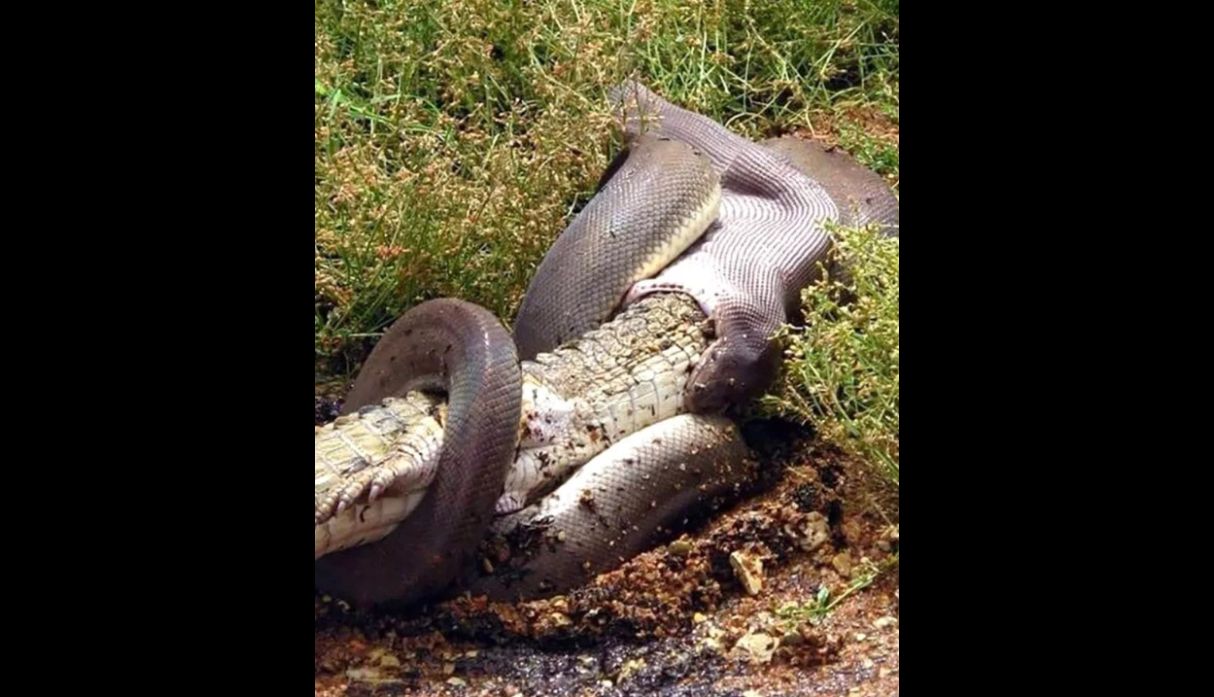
(705, 615)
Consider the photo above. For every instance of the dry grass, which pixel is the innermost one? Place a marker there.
(454, 140)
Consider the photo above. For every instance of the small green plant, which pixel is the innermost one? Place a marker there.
(878, 154)
(841, 370)
(817, 610)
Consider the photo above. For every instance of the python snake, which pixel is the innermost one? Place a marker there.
(698, 242)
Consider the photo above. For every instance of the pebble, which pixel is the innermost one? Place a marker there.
(680, 547)
(371, 675)
(759, 647)
(842, 564)
(363, 674)
(712, 642)
(629, 668)
(749, 570)
(456, 682)
(883, 622)
(815, 533)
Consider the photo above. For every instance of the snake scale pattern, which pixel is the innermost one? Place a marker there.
(650, 315)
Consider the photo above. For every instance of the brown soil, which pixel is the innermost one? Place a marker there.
(674, 621)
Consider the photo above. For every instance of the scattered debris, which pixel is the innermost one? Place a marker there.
(629, 668)
(749, 570)
(842, 564)
(758, 647)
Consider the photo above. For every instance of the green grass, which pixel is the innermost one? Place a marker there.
(454, 140)
(840, 372)
(819, 608)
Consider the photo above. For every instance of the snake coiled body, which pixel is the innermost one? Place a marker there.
(463, 350)
(748, 270)
(629, 403)
(659, 201)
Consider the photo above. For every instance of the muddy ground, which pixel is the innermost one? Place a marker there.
(725, 609)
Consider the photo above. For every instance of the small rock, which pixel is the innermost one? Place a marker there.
(749, 570)
(448, 668)
(842, 564)
(389, 661)
(363, 674)
(699, 618)
(867, 663)
(629, 668)
(883, 622)
(758, 647)
(680, 547)
(560, 619)
(752, 693)
(712, 642)
(606, 683)
(456, 682)
(815, 533)
(860, 636)
(371, 675)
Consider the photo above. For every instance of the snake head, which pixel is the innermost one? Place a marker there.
(734, 370)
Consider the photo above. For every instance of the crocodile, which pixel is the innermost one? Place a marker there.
(693, 339)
